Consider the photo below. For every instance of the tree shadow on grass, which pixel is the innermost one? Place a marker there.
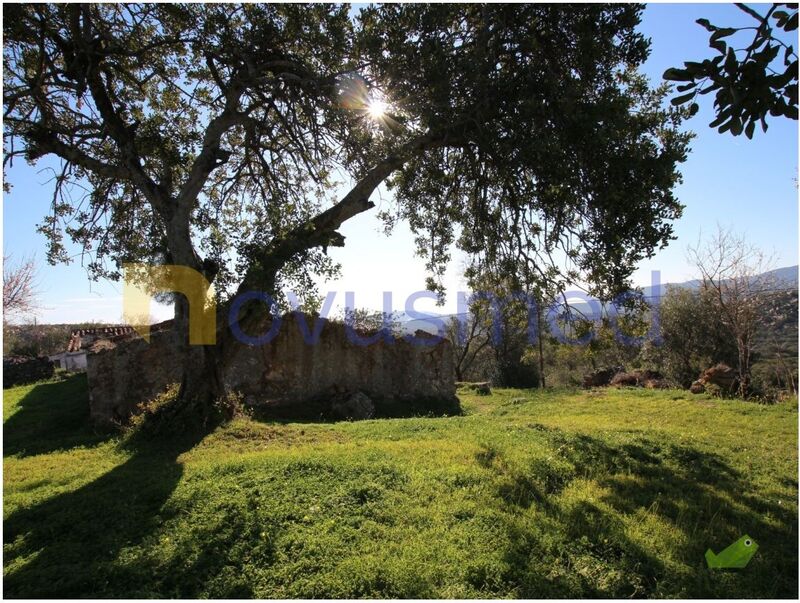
(66, 544)
(100, 540)
(95, 541)
(696, 493)
(318, 410)
(52, 416)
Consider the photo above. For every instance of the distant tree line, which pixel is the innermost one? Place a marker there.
(39, 340)
(737, 314)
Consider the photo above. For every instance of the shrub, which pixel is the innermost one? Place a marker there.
(19, 370)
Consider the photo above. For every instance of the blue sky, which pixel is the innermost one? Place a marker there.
(746, 185)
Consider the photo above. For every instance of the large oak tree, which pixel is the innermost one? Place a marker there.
(208, 136)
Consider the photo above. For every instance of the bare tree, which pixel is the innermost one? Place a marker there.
(735, 275)
(470, 335)
(493, 338)
(20, 294)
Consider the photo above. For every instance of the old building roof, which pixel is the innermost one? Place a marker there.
(102, 338)
(81, 338)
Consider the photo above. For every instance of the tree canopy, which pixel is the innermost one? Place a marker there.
(203, 130)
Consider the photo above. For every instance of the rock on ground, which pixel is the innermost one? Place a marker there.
(601, 377)
(639, 378)
(697, 387)
(481, 388)
(357, 406)
(720, 378)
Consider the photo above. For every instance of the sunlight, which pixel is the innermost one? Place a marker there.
(376, 109)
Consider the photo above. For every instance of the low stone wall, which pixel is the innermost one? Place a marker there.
(288, 370)
(123, 375)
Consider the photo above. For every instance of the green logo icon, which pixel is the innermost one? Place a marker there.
(736, 556)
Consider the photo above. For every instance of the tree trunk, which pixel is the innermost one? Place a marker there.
(202, 400)
(202, 395)
(744, 367)
(541, 345)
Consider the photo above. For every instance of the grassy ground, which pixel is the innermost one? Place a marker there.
(566, 493)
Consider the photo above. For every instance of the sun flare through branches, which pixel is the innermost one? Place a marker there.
(376, 108)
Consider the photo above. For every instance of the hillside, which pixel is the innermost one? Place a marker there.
(776, 342)
(785, 278)
(602, 493)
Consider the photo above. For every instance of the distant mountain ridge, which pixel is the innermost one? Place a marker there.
(787, 277)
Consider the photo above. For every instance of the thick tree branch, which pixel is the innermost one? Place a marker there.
(211, 156)
(320, 231)
(47, 142)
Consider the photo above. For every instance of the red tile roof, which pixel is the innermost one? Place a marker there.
(84, 337)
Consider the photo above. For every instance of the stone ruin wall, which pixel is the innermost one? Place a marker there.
(285, 370)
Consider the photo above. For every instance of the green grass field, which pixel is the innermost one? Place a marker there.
(606, 493)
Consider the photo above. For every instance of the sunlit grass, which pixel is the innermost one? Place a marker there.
(527, 494)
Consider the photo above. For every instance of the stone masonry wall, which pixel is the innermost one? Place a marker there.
(133, 371)
(286, 370)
